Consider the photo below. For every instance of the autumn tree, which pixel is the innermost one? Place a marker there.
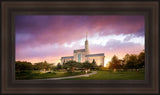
(126, 58)
(115, 63)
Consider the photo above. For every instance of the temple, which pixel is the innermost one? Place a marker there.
(82, 55)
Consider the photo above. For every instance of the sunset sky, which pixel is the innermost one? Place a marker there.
(40, 38)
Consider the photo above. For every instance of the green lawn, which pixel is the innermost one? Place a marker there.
(26, 75)
(101, 75)
(106, 75)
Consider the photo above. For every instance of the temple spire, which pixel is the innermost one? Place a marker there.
(86, 35)
(86, 45)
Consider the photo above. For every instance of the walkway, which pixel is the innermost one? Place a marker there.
(85, 75)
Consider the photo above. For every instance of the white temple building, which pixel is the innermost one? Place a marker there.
(82, 55)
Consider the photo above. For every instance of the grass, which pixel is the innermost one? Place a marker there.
(101, 75)
(106, 75)
(27, 75)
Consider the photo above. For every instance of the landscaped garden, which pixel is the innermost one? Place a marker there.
(130, 68)
(100, 75)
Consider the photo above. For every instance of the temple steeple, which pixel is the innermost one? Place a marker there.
(86, 44)
(86, 35)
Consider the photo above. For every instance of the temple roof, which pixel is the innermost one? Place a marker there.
(79, 50)
(67, 57)
(91, 55)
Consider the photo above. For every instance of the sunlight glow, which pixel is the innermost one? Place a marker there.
(106, 62)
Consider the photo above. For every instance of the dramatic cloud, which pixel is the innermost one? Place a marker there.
(48, 38)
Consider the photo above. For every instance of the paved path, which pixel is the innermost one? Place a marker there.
(85, 75)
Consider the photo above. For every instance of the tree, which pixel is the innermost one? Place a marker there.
(78, 65)
(46, 65)
(23, 65)
(59, 66)
(114, 59)
(54, 68)
(38, 66)
(42, 65)
(115, 63)
(64, 62)
(141, 59)
(132, 62)
(94, 65)
(126, 58)
(70, 65)
(93, 62)
(87, 65)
